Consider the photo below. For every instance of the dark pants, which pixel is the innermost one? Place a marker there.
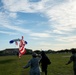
(74, 71)
(44, 69)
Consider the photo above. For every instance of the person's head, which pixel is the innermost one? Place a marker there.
(43, 53)
(34, 55)
(73, 51)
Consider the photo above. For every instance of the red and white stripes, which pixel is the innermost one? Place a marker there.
(21, 48)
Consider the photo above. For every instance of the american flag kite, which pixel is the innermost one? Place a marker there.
(21, 47)
(22, 44)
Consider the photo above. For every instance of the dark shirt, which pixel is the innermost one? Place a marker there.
(73, 58)
(45, 61)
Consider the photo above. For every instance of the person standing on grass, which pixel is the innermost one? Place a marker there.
(73, 59)
(34, 65)
(44, 62)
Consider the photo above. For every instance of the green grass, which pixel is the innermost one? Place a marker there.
(12, 65)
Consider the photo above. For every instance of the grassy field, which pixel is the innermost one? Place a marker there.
(12, 65)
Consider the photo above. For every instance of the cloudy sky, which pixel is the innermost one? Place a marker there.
(45, 24)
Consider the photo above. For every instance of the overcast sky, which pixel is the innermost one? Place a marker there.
(45, 24)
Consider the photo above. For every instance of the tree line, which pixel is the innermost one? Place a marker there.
(15, 51)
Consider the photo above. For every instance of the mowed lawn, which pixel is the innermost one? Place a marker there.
(12, 65)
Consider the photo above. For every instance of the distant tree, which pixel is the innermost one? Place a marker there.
(1, 53)
(37, 51)
(28, 51)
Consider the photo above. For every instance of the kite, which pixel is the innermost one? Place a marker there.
(22, 44)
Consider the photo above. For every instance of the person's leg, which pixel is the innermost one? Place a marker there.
(74, 71)
(44, 69)
(46, 72)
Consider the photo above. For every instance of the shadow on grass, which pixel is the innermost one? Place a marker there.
(6, 61)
